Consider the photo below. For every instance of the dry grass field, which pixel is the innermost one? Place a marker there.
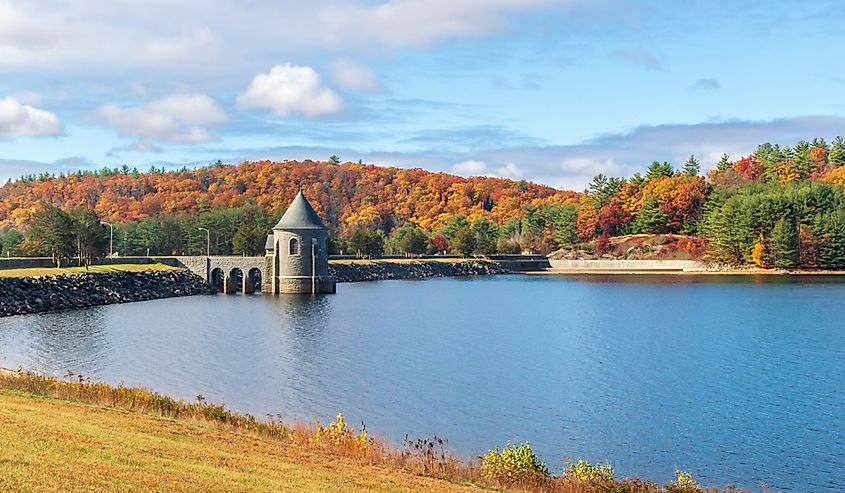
(49, 445)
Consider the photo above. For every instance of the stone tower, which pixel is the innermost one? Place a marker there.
(298, 252)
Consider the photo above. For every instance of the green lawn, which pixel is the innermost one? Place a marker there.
(96, 269)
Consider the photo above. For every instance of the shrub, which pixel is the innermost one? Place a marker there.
(592, 473)
(683, 484)
(339, 434)
(514, 464)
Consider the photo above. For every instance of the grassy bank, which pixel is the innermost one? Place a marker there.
(95, 269)
(72, 435)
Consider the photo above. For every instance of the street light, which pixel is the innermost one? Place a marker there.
(207, 241)
(111, 239)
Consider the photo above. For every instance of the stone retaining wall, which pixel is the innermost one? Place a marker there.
(377, 271)
(25, 295)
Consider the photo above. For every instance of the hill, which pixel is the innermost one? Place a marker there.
(345, 195)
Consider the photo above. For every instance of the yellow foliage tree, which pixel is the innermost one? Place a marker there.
(758, 252)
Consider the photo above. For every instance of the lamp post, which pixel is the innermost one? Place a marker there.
(207, 241)
(111, 239)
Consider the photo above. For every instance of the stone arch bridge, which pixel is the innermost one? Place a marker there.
(229, 274)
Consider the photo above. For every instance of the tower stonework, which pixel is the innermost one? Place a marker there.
(298, 252)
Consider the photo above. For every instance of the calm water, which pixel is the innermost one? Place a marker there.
(737, 379)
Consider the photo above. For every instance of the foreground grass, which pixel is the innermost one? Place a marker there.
(54, 445)
(94, 269)
(73, 436)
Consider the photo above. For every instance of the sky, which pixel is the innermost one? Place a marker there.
(552, 91)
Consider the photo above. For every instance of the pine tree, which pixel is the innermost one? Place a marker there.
(724, 163)
(783, 244)
(659, 170)
(836, 157)
(803, 159)
(651, 219)
(692, 166)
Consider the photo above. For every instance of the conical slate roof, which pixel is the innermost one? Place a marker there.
(300, 215)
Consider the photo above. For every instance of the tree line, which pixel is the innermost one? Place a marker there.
(778, 207)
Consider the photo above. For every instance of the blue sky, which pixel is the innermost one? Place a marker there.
(550, 91)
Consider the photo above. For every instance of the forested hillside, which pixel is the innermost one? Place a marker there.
(778, 207)
(162, 211)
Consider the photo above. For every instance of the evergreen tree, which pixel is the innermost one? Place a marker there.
(783, 244)
(659, 170)
(829, 230)
(407, 239)
(836, 156)
(367, 242)
(454, 225)
(486, 234)
(730, 234)
(9, 240)
(91, 236)
(51, 232)
(692, 167)
(802, 159)
(651, 219)
(463, 242)
(566, 226)
(724, 163)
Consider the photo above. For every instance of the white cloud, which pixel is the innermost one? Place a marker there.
(288, 90)
(474, 167)
(470, 168)
(418, 23)
(23, 120)
(58, 34)
(170, 50)
(349, 75)
(176, 119)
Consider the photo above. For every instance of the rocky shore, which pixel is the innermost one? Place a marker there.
(378, 271)
(25, 295)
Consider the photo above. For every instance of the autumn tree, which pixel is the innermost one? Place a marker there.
(440, 243)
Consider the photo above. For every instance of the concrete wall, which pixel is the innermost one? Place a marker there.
(626, 265)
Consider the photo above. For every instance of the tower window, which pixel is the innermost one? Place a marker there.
(294, 246)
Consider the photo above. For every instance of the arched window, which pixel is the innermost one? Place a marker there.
(294, 246)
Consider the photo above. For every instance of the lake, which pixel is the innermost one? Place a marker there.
(738, 379)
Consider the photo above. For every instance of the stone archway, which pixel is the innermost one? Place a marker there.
(235, 281)
(253, 281)
(216, 279)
